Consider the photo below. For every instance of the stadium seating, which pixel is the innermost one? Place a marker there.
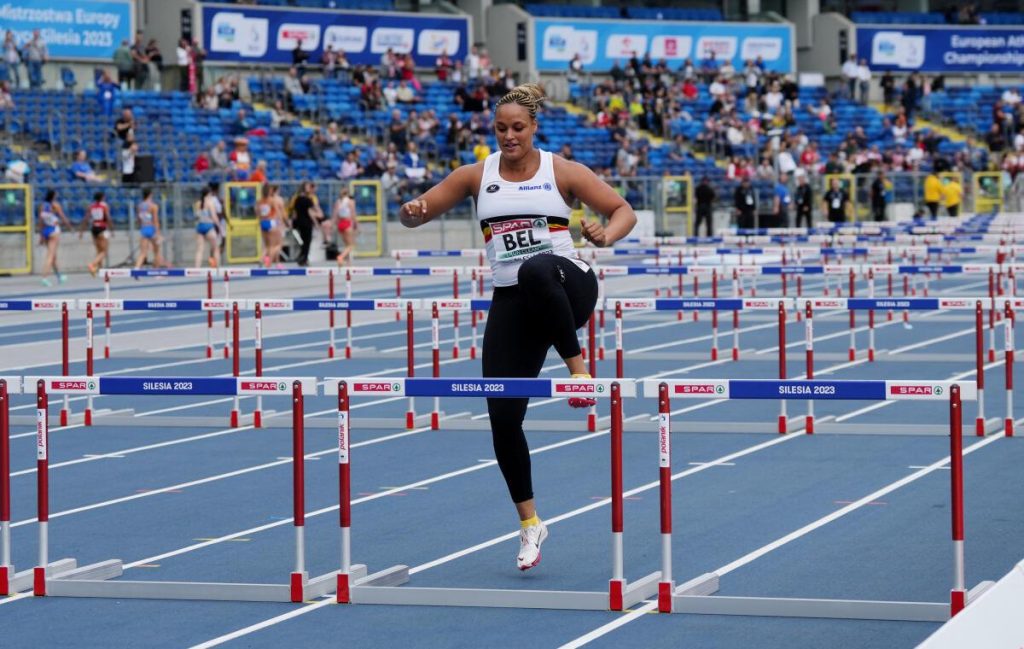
(640, 13)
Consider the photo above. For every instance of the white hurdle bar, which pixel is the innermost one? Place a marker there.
(385, 587)
(98, 579)
(676, 600)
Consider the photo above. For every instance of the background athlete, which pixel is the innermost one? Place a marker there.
(97, 219)
(543, 292)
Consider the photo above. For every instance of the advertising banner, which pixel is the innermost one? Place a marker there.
(942, 49)
(266, 35)
(71, 29)
(602, 42)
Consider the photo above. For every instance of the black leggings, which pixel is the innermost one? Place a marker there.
(553, 299)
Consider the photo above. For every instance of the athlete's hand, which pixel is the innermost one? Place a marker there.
(414, 213)
(593, 232)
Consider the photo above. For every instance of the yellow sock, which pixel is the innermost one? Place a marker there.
(581, 376)
(533, 520)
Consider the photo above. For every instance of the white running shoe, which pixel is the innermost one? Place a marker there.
(530, 539)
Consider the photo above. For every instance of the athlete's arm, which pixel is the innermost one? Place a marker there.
(441, 197)
(60, 212)
(109, 221)
(584, 184)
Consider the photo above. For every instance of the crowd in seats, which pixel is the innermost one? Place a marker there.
(361, 5)
(965, 14)
(640, 13)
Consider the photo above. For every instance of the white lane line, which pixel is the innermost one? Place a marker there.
(784, 540)
(489, 543)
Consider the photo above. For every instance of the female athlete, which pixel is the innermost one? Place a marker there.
(269, 209)
(148, 218)
(543, 292)
(344, 215)
(51, 215)
(207, 226)
(97, 218)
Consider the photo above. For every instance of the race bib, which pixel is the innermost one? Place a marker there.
(98, 214)
(264, 211)
(750, 199)
(836, 203)
(519, 239)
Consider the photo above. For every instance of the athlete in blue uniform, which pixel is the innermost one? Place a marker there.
(148, 219)
(51, 215)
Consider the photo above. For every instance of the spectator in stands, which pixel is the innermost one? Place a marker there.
(391, 182)
(804, 201)
(864, 80)
(689, 91)
(407, 68)
(744, 201)
(259, 174)
(566, 152)
(195, 71)
(305, 210)
(485, 63)
(12, 58)
(415, 168)
(293, 83)
(334, 138)
(202, 163)
(35, 55)
(156, 64)
(482, 149)
(717, 89)
(129, 154)
(680, 149)
(888, 84)
(390, 94)
(82, 170)
(209, 100)
(140, 62)
(280, 116)
(426, 126)
(471, 102)
(316, 145)
(329, 62)
(125, 65)
(472, 64)
(299, 58)
(705, 196)
(708, 67)
(183, 58)
(1011, 98)
(879, 192)
(242, 124)
(836, 202)
(911, 96)
(218, 156)
(389, 64)
(241, 159)
(350, 168)
(850, 76)
(443, 67)
(124, 127)
(6, 100)
(16, 171)
(575, 68)
(458, 74)
(397, 131)
(405, 94)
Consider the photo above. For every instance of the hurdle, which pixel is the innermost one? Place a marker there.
(99, 579)
(387, 586)
(12, 581)
(673, 599)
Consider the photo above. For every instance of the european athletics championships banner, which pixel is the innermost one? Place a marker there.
(72, 29)
(242, 33)
(602, 42)
(942, 49)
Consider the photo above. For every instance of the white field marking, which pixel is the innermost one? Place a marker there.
(882, 404)
(712, 463)
(784, 540)
(955, 334)
(222, 476)
(329, 599)
(920, 466)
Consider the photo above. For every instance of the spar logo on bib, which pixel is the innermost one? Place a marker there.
(264, 386)
(918, 390)
(699, 388)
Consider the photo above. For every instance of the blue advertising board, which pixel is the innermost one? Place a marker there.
(602, 42)
(266, 35)
(942, 49)
(71, 29)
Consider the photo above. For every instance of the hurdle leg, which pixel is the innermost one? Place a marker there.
(343, 592)
(666, 586)
(298, 576)
(958, 594)
(617, 584)
(1009, 347)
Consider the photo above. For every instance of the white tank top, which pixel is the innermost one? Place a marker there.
(522, 219)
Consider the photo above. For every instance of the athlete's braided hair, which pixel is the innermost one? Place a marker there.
(528, 95)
